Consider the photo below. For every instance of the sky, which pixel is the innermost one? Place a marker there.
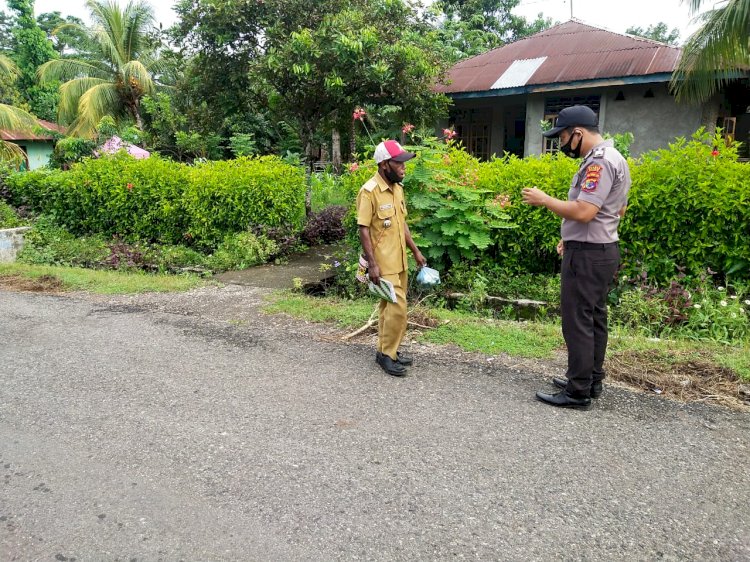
(615, 15)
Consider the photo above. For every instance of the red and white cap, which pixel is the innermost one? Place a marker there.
(391, 150)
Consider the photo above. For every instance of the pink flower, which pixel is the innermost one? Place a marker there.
(129, 186)
(714, 153)
(407, 128)
(354, 167)
(359, 113)
(449, 134)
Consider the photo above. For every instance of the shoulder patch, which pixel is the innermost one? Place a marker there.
(591, 181)
(599, 153)
(370, 185)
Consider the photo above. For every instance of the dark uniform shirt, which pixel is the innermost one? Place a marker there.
(603, 180)
(382, 208)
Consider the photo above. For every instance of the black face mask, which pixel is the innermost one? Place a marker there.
(390, 175)
(569, 151)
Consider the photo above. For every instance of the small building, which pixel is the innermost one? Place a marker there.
(37, 145)
(502, 97)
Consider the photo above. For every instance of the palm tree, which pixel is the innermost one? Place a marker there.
(119, 76)
(716, 53)
(13, 118)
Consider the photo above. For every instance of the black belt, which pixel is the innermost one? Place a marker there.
(575, 245)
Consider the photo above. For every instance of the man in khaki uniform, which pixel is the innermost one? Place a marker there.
(381, 216)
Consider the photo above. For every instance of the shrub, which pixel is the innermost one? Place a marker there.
(326, 191)
(70, 150)
(325, 227)
(173, 258)
(242, 250)
(231, 196)
(8, 217)
(157, 200)
(49, 244)
(689, 209)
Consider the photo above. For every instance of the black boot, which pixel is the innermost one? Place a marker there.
(404, 359)
(596, 387)
(564, 400)
(389, 365)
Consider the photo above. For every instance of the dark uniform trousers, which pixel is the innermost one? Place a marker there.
(588, 272)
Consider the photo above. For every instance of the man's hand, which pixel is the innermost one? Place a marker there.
(421, 261)
(560, 248)
(534, 196)
(373, 271)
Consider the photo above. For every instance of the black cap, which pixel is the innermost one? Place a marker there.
(574, 116)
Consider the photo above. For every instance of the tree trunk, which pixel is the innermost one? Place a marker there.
(353, 141)
(336, 150)
(710, 114)
(308, 173)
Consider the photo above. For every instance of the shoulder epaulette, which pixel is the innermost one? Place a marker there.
(599, 152)
(370, 185)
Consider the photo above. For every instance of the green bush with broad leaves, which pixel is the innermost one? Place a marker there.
(158, 200)
(457, 217)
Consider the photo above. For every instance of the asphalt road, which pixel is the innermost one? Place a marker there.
(165, 429)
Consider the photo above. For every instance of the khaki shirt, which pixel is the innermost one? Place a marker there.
(602, 180)
(382, 208)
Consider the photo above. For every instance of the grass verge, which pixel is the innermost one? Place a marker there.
(683, 369)
(49, 278)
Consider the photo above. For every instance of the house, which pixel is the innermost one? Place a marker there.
(501, 97)
(37, 145)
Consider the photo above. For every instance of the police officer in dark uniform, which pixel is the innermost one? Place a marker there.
(596, 202)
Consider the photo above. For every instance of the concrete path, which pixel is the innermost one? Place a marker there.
(193, 427)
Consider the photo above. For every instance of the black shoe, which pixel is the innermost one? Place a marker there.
(564, 400)
(596, 387)
(389, 365)
(404, 359)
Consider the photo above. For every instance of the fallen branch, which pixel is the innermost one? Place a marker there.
(369, 324)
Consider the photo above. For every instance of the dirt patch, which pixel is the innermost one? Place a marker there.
(685, 379)
(43, 284)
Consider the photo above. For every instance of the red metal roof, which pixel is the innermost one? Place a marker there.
(572, 51)
(38, 135)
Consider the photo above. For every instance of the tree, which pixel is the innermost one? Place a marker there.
(219, 41)
(32, 49)
(67, 35)
(115, 81)
(343, 54)
(716, 54)
(12, 118)
(656, 32)
(470, 27)
(7, 42)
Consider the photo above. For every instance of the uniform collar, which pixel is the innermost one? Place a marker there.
(609, 143)
(381, 182)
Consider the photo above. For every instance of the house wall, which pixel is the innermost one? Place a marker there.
(37, 152)
(654, 121)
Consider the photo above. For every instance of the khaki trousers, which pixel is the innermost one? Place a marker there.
(392, 318)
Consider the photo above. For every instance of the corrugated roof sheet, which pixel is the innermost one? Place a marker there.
(14, 136)
(572, 51)
(518, 73)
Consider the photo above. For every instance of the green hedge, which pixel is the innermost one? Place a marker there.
(227, 196)
(689, 210)
(157, 200)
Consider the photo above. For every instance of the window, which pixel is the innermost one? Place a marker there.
(553, 106)
(474, 130)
